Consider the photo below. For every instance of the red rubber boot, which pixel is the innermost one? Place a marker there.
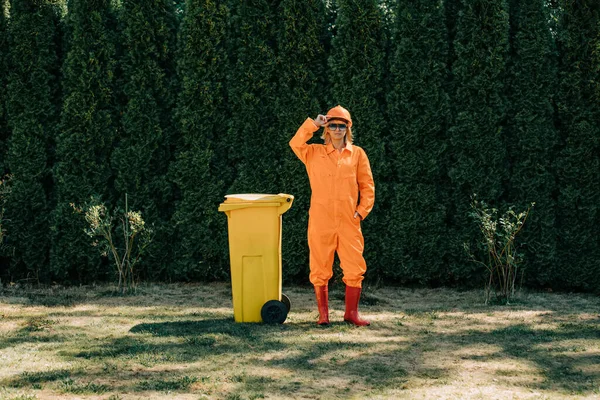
(351, 316)
(322, 294)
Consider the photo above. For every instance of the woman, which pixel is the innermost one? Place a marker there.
(340, 175)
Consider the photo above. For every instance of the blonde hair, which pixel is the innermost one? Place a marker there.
(347, 138)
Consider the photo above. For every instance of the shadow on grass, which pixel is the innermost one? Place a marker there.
(193, 340)
(45, 297)
(189, 328)
(24, 338)
(334, 354)
(312, 349)
(562, 366)
(393, 354)
(33, 330)
(37, 378)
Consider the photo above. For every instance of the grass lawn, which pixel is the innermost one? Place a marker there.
(180, 342)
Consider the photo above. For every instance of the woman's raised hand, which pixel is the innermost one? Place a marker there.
(320, 120)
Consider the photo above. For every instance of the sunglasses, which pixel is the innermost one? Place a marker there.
(341, 127)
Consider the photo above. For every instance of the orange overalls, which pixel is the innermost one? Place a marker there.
(336, 180)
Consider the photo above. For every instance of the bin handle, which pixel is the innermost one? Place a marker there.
(289, 199)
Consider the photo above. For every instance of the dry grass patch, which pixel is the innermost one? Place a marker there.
(180, 341)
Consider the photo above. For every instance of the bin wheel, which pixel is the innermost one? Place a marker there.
(286, 300)
(273, 312)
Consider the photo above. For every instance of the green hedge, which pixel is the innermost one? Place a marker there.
(32, 111)
(4, 133)
(142, 152)
(201, 171)
(531, 138)
(477, 154)
(177, 103)
(419, 114)
(85, 140)
(578, 161)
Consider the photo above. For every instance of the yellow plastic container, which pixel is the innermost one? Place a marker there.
(254, 226)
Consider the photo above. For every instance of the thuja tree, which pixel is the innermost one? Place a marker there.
(142, 151)
(32, 116)
(531, 137)
(418, 103)
(578, 164)
(357, 71)
(252, 94)
(597, 65)
(302, 37)
(477, 165)
(86, 136)
(3, 76)
(451, 11)
(200, 169)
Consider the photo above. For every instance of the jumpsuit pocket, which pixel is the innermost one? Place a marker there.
(324, 184)
(351, 183)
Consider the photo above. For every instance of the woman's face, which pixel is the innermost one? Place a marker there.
(337, 129)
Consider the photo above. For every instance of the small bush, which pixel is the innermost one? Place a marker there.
(136, 237)
(498, 243)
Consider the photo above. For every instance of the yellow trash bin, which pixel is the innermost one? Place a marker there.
(254, 225)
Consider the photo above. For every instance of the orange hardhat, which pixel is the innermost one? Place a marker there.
(339, 112)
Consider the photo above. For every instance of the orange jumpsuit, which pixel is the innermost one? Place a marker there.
(336, 180)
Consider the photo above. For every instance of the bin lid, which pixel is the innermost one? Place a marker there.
(281, 201)
(257, 197)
